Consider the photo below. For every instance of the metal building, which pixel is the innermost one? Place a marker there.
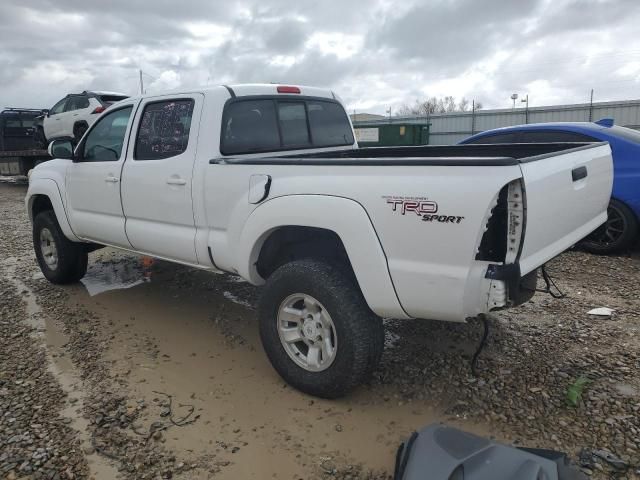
(450, 128)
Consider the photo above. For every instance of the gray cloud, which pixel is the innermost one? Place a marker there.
(375, 54)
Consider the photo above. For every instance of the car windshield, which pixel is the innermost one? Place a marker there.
(625, 133)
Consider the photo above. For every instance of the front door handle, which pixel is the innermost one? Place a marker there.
(176, 181)
(111, 179)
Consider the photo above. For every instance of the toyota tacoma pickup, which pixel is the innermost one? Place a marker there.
(267, 182)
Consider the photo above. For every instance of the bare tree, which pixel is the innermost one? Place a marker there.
(432, 105)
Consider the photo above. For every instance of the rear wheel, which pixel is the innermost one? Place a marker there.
(61, 260)
(317, 329)
(618, 233)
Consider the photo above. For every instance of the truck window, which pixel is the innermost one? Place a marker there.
(329, 124)
(164, 129)
(252, 126)
(105, 140)
(293, 124)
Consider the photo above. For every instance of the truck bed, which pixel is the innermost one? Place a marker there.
(19, 162)
(447, 155)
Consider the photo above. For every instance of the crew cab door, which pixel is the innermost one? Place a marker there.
(157, 177)
(93, 180)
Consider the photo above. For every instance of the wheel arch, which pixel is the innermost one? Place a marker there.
(326, 222)
(44, 195)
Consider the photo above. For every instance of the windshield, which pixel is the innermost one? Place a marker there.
(625, 133)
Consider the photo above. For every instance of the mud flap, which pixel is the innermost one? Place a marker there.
(438, 452)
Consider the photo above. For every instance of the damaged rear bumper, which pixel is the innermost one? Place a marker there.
(511, 288)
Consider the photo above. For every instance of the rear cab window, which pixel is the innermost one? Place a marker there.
(260, 124)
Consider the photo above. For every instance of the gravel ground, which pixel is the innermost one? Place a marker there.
(527, 390)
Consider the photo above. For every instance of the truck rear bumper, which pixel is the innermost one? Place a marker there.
(520, 288)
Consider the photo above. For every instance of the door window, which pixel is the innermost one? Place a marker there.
(105, 140)
(58, 107)
(76, 103)
(164, 129)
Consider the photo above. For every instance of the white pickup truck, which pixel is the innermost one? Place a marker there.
(267, 182)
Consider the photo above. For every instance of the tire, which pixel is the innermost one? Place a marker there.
(619, 233)
(357, 333)
(66, 262)
(79, 130)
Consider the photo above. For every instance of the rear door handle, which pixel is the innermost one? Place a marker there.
(579, 173)
(176, 181)
(111, 179)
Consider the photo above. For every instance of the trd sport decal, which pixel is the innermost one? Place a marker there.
(421, 206)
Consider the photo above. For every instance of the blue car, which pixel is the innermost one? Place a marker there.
(621, 230)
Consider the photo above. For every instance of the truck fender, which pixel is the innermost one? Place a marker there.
(49, 188)
(346, 218)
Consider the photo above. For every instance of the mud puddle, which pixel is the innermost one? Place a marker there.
(61, 367)
(193, 335)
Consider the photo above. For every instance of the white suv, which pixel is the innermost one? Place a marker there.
(72, 116)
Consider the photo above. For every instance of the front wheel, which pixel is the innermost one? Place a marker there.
(317, 329)
(61, 260)
(618, 233)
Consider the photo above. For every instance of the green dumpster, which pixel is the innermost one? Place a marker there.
(391, 134)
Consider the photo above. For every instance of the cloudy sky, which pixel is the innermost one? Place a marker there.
(376, 54)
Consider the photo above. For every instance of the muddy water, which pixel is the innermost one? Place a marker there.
(193, 335)
(61, 367)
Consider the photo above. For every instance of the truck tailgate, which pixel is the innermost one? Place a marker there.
(566, 199)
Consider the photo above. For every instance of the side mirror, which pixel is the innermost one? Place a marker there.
(61, 148)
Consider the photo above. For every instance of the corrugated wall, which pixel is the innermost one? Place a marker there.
(450, 128)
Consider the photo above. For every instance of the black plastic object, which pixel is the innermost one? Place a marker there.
(438, 452)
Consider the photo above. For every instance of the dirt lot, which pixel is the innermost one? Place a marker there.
(152, 370)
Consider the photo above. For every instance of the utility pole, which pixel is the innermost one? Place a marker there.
(141, 84)
(473, 117)
(591, 107)
(526, 110)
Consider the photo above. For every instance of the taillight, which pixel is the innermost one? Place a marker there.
(504, 227)
(99, 109)
(285, 89)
